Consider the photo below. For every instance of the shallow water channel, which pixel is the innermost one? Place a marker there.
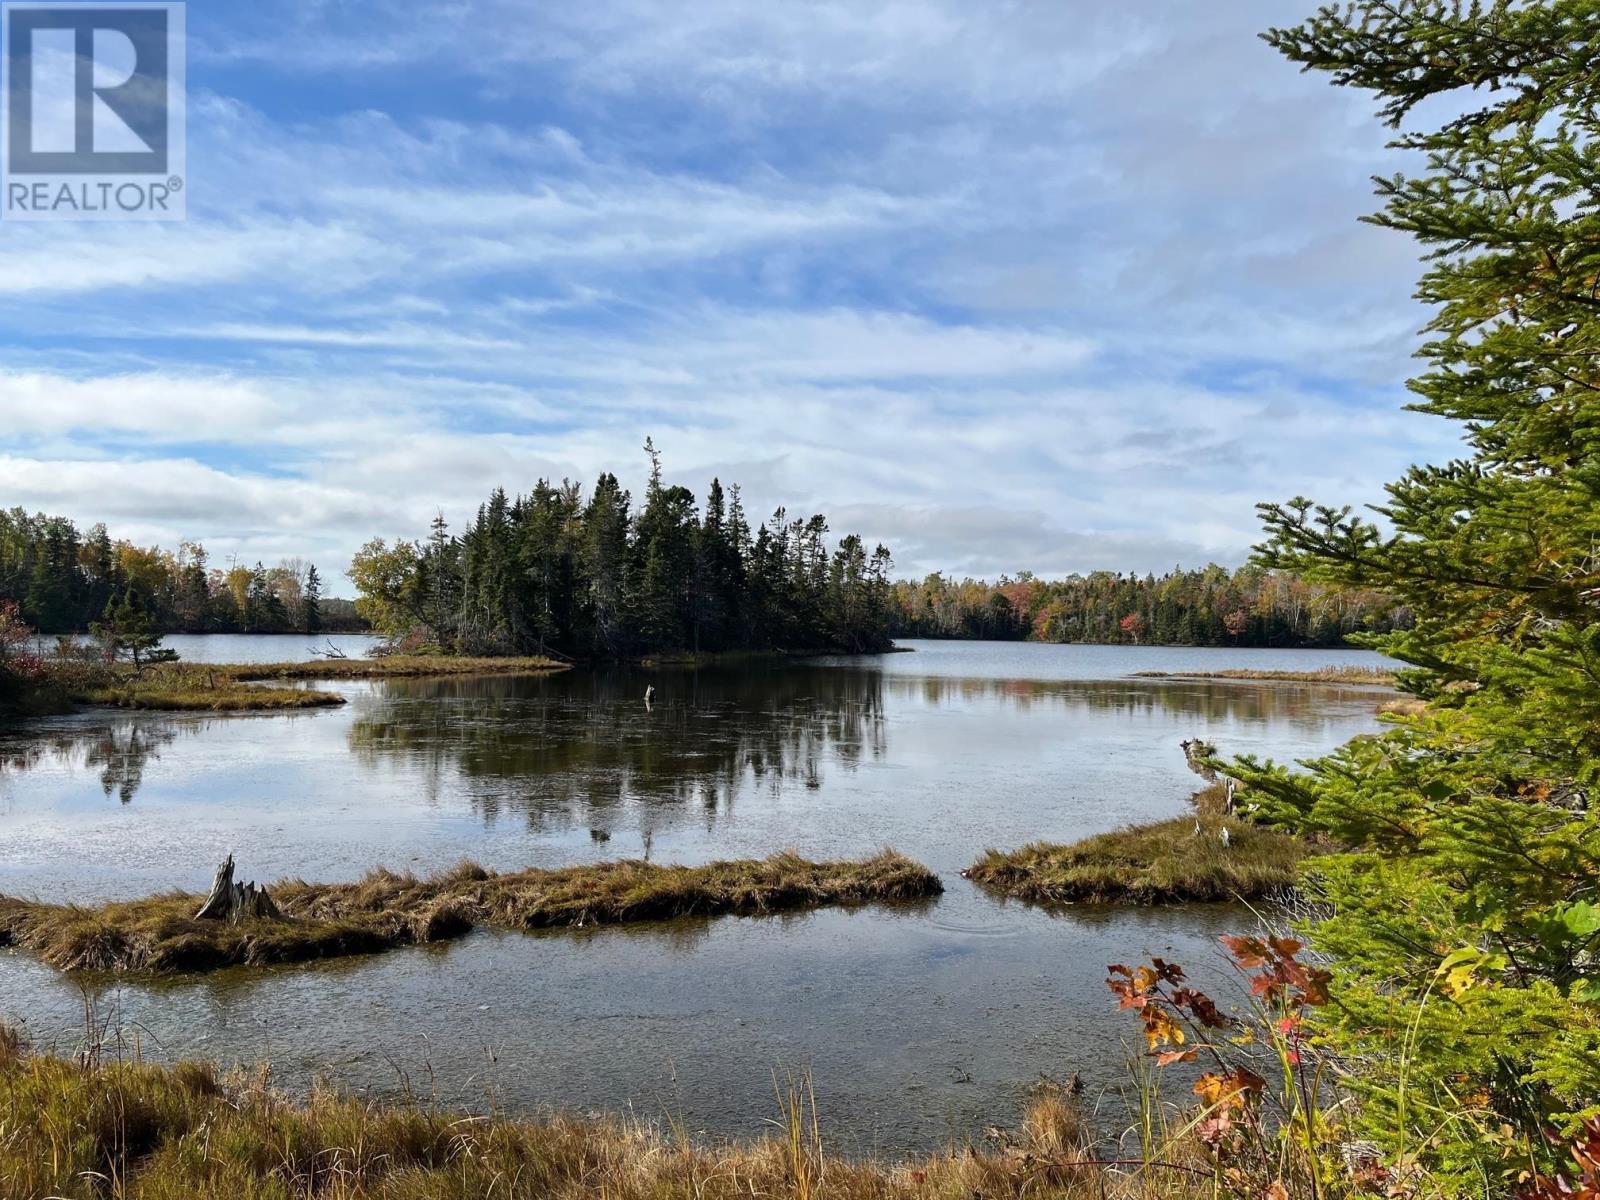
(919, 1024)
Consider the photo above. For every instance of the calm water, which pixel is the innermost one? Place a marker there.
(919, 1023)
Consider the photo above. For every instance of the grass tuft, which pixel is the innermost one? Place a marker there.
(1163, 863)
(231, 687)
(158, 694)
(393, 666)
(386, 909)
(1362, 676)
(128, 1129)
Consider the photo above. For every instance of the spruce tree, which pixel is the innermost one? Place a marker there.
(311, 601)
(1463, 925)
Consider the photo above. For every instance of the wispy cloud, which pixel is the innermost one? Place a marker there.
(1051, 287)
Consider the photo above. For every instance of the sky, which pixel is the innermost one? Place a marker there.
(1051, 286)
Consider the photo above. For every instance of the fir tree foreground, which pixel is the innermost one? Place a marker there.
(1463, 928)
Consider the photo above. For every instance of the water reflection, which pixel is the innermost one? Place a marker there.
(593, 746)
(921, 1023)
(1303, 706)
(118, 749)
(584, 747)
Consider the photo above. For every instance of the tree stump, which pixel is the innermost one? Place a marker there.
(1195, 752)
(234, 902)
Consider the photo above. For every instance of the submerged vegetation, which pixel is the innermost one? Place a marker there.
(386, 910)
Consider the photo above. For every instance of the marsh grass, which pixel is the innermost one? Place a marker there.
(128, 1129)
(393, 666)
(194, 696)
(386, 910)
(1163, 863)
(236, 687)
(1361, 676)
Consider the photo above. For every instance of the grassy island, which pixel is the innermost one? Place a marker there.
(197, 696)
(241, 687)
(392, 666)
(385, 909)
(1357, 676)
(1164, 863)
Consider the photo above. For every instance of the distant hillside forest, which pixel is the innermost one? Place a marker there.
(64, 581)
(595, 577)
(1210, 607)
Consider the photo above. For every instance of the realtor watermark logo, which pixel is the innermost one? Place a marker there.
(92, 112)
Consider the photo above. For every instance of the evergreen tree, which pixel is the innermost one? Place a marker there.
(311, 602)
(126, 630)
(603, 558)
(547, 572)
(1464, 927)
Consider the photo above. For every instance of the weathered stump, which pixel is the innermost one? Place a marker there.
(234, 902)
(1195, 752)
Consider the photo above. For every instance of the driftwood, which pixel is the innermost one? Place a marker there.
(1196, 752)
(235, 902)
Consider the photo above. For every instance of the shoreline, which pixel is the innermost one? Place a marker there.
(193, 1129)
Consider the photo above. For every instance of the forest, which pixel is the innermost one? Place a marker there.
(64, 580)
(594, 578)
(597, 578)
(1251, 606)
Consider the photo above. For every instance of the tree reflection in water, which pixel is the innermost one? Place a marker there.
(119, 748)
(576, 748)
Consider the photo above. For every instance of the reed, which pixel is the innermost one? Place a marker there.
(128, 1129)
(386, 909)
(1162, 863)
(393, 666)
(1360, 676)
(160, 694)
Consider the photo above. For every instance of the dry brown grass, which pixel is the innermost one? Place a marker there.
(386, 909)
(231, 687)
(159, 694)
(394, 666)
(140, 1132)
(1360, 676)
(1404, 706)
(1162, 863)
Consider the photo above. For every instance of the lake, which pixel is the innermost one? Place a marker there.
(919, 1024)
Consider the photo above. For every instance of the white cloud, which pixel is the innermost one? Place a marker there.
(1011, 286)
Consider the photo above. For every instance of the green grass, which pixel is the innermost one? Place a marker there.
(386, 910)
(1361, 676)
(1163, 863)
(134, 1131)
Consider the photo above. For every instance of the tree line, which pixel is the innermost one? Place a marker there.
(1251, 606)
(65, 581)
(592, 577)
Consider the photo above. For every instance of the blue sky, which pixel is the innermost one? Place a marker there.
(1017, 285)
